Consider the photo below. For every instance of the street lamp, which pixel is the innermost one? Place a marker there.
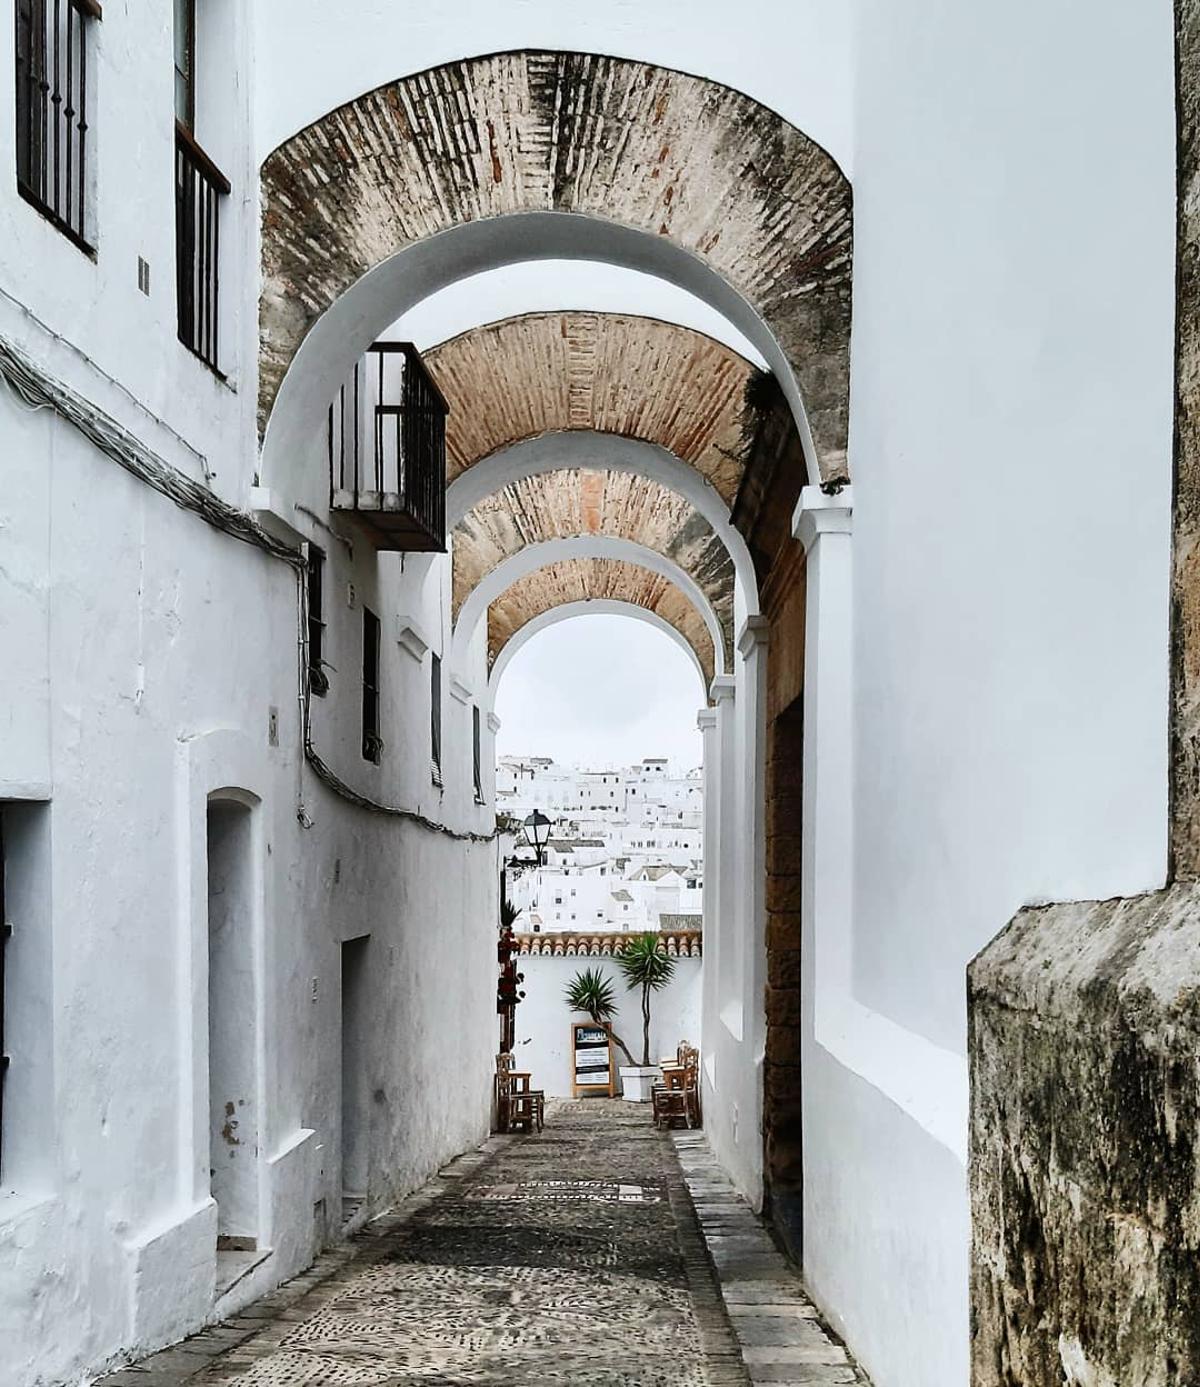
(537, 830)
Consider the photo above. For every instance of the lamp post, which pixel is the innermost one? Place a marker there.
(537, 830)
(508, 994)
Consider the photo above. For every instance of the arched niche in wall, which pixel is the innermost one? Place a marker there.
(471, 165)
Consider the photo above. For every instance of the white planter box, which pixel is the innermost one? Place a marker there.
(637, 1082)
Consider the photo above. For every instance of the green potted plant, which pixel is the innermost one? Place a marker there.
(591, 992)
(646, 968)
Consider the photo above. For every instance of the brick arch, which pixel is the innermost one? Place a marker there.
(582, 580)
(696, 181)
(615, 373)
(575, 503)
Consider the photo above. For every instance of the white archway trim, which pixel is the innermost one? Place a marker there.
(349, 325)
(558, 286)
(535, 556)
(596, 606)
(604, 452)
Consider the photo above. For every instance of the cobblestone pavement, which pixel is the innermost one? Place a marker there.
(570, 1256)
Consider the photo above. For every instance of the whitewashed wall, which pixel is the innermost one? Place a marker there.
(1010, 441)
(158, 650)
(543, 1031)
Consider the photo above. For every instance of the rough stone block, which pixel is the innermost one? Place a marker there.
(1085, 1127)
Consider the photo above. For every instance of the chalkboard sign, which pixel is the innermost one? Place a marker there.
(591, 1046)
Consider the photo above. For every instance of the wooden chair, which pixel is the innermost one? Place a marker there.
(678, 1096)
(517, 1104)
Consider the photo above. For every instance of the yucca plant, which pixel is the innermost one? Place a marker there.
(509, 914)
(644, 966)
(591, 992)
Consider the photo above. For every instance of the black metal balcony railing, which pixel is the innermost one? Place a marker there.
(199, 188)
(52, 110)
(387, 450)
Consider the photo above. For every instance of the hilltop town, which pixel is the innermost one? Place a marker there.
(625, 849)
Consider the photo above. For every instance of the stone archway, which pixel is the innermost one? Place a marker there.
(586, 506)
(580, 580)
(595, 606)
(660, 170)
(614, 455)
(533, 557)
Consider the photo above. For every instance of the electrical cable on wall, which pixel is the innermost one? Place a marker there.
(38, 390)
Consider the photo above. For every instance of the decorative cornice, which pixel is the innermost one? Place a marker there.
(723, 689)
(410, 638)
(706, 719)
(493, 723)
(682, 943)
(460, 691)
(818, 513)
(754, 633)
(269, 509)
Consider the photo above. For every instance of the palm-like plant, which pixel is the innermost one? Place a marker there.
(646, 967)
(591, 992)
(509, 914)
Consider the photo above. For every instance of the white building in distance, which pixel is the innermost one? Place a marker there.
(626, 847)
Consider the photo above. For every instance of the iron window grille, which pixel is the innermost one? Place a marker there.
(199, 189)
(387, 450)
(318, 680)
(372, 742)
(52, 43)
(477, 759)
(435, 717)
(185, 62)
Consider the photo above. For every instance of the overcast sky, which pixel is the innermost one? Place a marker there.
(599, 691)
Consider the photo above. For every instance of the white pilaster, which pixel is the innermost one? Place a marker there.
(822, 523)
(706, 721)
(751, 868)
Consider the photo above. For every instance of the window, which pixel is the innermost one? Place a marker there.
(477, 760)
(52, 43)
(199, 187)
(372, 743)
(435, 717)
(318, 680)
(185, 62)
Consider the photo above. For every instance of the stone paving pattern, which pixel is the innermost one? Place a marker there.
(570, 1256)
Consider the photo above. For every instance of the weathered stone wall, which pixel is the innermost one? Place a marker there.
(1185, 651)
(1085, 1117)
(673, 156)
(582, 580)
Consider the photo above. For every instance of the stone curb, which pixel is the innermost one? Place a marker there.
(781, 1336)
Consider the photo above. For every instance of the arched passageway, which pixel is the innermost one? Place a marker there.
(577, 441)
(662, 172)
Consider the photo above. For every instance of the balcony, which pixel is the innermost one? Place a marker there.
(387, 450)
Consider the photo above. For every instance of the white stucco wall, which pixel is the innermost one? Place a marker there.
(1011, 452)
(147, 656)
(543, 1031)
(1010, 443)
